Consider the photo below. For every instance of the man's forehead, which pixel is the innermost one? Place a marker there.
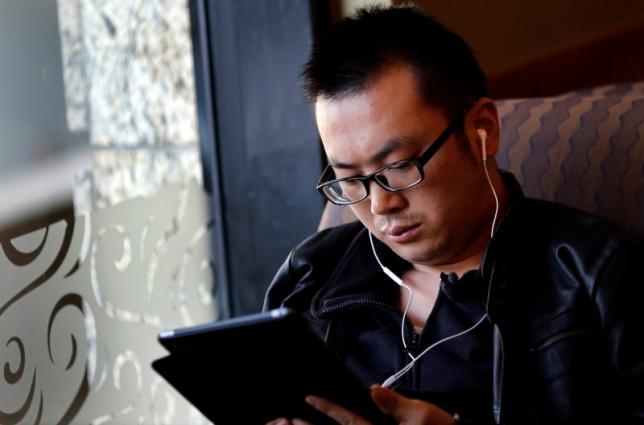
(374, 157)
(366, 127)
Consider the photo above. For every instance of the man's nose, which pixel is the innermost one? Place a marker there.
(383, 201)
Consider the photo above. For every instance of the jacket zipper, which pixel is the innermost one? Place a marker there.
(559, 337)
(327, 331)
(497, 413)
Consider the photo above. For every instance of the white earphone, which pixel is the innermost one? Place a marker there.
(396, 376)
(483, 137)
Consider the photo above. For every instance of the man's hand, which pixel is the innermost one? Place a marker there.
(409, 411)
(405, 411)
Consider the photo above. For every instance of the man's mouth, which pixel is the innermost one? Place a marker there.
(402, 233)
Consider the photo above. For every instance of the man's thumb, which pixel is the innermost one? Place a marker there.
(388, 401)
(407, 410)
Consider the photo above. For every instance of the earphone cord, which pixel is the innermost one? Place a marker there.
(402, 284)
(496, 215)
(396, 376)
(496, 198)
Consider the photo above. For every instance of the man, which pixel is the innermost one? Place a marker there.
(511, 310)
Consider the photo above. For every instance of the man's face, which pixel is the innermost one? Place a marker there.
(443, 219)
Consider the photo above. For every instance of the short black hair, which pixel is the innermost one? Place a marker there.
(353, 53)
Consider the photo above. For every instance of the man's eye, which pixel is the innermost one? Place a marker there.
(351, 183)
(399, 166)
(343, 176)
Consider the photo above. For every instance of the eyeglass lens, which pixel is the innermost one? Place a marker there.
(397, 176)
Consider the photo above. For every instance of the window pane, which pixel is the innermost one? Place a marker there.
(104, 227)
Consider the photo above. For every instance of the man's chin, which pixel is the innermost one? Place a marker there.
(417, 254)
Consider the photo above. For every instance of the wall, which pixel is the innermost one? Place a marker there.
(518, 38)
(505, 33)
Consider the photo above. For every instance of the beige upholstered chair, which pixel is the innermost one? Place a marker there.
(584, 149)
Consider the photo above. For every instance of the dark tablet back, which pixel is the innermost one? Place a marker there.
(253, 369)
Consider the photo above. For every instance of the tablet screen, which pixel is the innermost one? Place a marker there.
(254, 369)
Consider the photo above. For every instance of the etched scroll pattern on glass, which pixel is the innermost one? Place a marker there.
(82, 301)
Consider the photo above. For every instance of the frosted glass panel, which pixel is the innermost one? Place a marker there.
(82, 301)
(105, 230)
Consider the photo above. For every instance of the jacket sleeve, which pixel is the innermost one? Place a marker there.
(283, 284)
(620, 297)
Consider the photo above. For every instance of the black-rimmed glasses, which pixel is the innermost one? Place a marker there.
(393, 177)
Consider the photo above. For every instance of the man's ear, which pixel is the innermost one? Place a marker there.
(483, 118)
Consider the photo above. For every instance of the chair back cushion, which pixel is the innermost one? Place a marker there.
(584, 149)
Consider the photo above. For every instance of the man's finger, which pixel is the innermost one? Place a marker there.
(280, 421)
(387, 400)
(340, 414)
(409, 411)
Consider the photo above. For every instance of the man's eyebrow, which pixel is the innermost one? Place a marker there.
(376, 158)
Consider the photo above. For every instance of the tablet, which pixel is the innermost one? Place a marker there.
(253, 369)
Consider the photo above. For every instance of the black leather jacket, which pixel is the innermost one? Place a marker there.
(566, 300)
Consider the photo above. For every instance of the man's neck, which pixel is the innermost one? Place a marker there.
(458, 267)
(424, 281)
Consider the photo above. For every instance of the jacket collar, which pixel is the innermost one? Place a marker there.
(506, 223)
(359, 277)
(495, 260)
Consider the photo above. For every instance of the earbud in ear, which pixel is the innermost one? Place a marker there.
(483, 137)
